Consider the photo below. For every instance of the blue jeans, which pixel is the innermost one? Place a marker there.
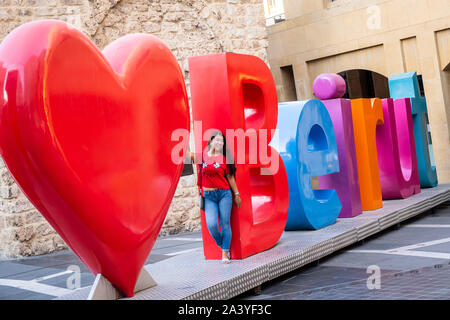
(218, 204)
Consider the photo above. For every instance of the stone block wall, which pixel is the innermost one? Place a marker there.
(189, 28)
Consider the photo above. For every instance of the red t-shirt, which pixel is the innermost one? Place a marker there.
(214, 170)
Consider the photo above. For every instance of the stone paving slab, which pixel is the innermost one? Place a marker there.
(190, 276)
(428, 283)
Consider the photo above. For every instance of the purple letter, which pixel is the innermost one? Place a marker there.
(345, 182)
(397, 160)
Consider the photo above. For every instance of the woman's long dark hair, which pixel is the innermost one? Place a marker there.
(226, 153)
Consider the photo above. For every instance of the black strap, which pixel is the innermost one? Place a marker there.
(201, 177)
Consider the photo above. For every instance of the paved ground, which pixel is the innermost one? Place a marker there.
(51, 275)
(413, 262)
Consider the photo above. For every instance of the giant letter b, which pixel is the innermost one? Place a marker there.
(237, 92)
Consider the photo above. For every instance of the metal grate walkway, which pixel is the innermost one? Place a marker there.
(190, 276)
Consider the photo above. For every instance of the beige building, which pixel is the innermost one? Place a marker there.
(384, 36)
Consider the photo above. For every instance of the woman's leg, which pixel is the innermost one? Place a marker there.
(212, 217)
(225, 205)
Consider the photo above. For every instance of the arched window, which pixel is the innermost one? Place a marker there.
(365, 84)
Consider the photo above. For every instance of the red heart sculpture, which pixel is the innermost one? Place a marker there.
(87, 136)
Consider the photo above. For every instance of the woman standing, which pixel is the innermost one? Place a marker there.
(217, 178)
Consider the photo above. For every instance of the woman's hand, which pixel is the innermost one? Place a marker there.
(190, 155)
(237, 200)
(234, 189)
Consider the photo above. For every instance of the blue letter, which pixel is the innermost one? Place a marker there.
(307, 145)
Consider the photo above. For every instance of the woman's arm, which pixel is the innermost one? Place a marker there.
(190, 155)
(232, 181)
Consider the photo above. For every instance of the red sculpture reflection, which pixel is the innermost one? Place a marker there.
(234, 91)
(87, 136)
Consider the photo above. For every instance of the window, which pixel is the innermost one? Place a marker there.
(274, 11)
(289, 92)
(365, 84)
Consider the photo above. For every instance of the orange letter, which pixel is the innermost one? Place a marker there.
(366, 116)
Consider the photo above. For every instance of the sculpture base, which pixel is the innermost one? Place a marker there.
(189, 276)
(102, 289)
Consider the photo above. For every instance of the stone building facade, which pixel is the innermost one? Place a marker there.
(383, 36)
(188, 27)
